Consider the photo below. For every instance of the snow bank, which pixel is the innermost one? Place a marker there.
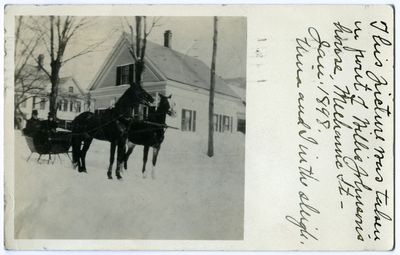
(193, 196)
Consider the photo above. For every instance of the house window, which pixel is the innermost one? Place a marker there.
(227, 123)
(78, 106)
(125, 74)
(222, 123)
(42, 103)
(65, 105)
(34, 102)
(188, 120)
(215, 122)
(241, 126)
(59, 105)
(71, 89)
(71, 106)
(145, 112)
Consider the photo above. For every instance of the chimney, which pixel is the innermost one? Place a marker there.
(167, 38)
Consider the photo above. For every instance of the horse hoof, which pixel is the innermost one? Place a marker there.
(119, 177)
(110, 177)
(125, 166)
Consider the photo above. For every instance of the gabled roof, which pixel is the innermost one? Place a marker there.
(34, 73)
(174, 66)
(64, 82)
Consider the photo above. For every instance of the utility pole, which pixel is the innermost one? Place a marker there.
(210, 151)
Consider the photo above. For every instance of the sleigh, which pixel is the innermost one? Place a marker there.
(44, 143)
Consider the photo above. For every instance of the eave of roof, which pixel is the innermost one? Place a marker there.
(172, 65)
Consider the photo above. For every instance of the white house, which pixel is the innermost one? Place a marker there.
(71, 101)
(170, 72)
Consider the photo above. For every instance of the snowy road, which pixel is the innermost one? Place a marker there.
(193, 197)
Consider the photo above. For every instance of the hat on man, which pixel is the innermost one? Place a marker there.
(51, 115)
(35, 112)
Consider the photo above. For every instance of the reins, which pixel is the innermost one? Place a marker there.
(158, 125)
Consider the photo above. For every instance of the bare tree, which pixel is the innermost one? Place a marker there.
(55, 33)
(139, 30)
(27, 79)
(210, 151)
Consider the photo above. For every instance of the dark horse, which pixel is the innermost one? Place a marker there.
(110, 125)
(150, 134)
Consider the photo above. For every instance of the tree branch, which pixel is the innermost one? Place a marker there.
(154, 24)
(17, 35)
(87, 50)
(37, 61)
(72, 29)
(58, 24)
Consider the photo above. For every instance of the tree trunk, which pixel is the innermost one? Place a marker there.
(140, 54)
(55, 79)
(139, 70)
(140, 47)
(210, 151)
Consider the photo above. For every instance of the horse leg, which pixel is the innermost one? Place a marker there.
(131, 146)
(156, 150)
(120, 157)
(145, 153)
(112, 155)
(85, 148)
(76, 142)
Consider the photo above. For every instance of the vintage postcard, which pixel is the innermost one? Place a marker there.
(135, 127)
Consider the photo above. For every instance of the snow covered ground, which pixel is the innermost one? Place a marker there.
(193, 197)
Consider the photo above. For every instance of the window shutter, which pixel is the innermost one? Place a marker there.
(131, 72)
(194, 121)
(231, 124)
(220, 124)
(183, 120)
(118, 76)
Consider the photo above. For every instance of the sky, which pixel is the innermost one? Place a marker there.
(190, 35)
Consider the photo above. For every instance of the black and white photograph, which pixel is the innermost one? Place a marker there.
(199, 127)
(129, 127)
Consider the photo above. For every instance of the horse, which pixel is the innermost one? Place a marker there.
(111, 125)
(150, 133)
